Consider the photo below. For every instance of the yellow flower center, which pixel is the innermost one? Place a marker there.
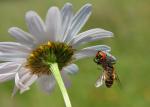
(52, 52)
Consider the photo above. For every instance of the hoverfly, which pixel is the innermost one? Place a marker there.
(109, 75)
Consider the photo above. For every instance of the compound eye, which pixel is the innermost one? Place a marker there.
(103, 55)
(99, 56)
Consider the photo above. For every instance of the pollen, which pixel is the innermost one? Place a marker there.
(49, 43)
(51, 52)
(31, 55)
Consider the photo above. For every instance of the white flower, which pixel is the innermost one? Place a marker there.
(55, 40)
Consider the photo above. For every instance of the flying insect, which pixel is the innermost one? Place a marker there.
(109, 75)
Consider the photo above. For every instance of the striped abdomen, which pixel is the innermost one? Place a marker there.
(109, 77)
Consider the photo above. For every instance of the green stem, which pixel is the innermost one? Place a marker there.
(55, 70)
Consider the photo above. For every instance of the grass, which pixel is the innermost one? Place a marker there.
(128, 19)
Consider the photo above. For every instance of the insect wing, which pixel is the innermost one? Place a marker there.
(118, 80)
(100, 80)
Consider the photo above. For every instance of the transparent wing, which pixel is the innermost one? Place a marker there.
(118, 80)
(100, 80)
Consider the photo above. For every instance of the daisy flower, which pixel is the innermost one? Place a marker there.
(46, 53)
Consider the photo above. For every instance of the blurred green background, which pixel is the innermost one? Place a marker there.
(130, 22)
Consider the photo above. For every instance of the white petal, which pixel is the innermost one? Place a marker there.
(14, 46)
(7, 76)
(25, 77)
(90, 35)
(53, 24)
(24, 82)
(36, 26)
(90, 51)
(71, 69)
(78, 21)
(18, 82)
(21, 73)
(46, 83)
(8, 67)
(12, 51)
(66, 79)
(22, 36)
(94, 49)
(13, 57)
(29, 83)
(14, 91)
(67, 16)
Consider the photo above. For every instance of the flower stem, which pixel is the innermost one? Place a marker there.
(55, 70)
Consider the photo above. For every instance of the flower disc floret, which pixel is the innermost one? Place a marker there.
(40, 58)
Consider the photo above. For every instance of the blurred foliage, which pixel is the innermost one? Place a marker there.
(130, 22)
